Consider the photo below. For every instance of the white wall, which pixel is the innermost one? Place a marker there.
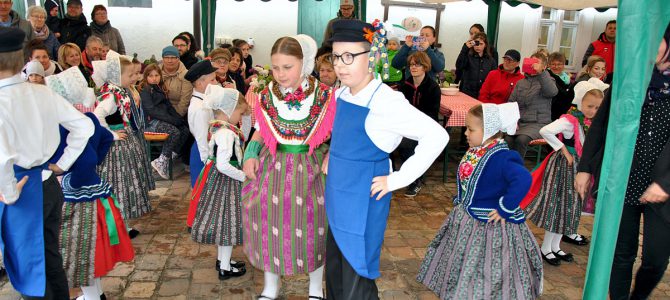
(600, 20)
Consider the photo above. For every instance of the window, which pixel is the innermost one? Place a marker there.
(558, 32)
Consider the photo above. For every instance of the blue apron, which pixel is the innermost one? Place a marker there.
(22, 235)
(195, 163)
(357, 221)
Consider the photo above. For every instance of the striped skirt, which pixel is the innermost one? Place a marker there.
(126, 167)
(283, 213)
(218, 218)
(557, 206)
(470, 259)
(86, 245)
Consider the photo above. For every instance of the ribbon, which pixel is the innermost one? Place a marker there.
(111, 222)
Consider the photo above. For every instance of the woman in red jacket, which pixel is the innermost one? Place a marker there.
(500, 83)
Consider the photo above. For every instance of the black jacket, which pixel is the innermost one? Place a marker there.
(562, 102)
(157, 106)
(425, 97)
(474, 70)
(459, 72)
(188, 59)
(74, 30)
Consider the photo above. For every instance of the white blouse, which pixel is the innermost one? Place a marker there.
(227, 142)
(198, 123)
(550, 131)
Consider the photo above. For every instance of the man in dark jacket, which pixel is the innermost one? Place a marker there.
(346, 12)
(74, 27)
(603, 47)
(10, 18)
(186, 57)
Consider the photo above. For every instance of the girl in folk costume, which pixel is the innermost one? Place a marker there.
(126, 167)
(283, 214)
(485, 250)
(93, 236)
(552, 202)
(218, 217)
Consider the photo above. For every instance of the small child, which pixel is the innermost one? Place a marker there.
(552, 202)
(218, 218)
(395, 75)
(126, 166)
(33, 72)
(88, 248)
(484, 249)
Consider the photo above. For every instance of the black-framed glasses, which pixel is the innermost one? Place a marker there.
(347, 58)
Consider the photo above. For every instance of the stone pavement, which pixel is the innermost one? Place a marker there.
(169, 265)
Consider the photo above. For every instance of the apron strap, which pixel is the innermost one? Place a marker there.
(373, 95)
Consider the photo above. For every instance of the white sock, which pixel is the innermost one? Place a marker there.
(546, 244)
(98, 285)
(556, 243)
(574, 236)
(271, 288)
(225, 252)
(90, 292)
(316, 282)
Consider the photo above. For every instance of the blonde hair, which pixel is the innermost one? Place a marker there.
(65, 50)
(125, 63)
(242, 104)
(592, 61)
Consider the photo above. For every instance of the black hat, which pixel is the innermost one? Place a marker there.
(199, 69)
(513, 54)
(74, 2)
(11, 39)
(49, 5)
(350, 30)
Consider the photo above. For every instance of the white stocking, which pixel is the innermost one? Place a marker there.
(90, 292)
(546, 244)
(271, 288)
(225, 252)
(316, 282)
(98, 285)
(556, 243)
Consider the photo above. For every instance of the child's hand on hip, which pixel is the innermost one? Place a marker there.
(495, 217)
(379, 185)
(250, 167)
(568, 156)
(56, 169)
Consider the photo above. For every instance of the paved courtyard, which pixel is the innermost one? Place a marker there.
(169, 265)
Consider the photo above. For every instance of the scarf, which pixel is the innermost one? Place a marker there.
(121, 97)
(583, 121)
(100, 28)
(42, 34)
(470, 161)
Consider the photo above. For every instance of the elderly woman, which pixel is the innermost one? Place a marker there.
(101, 28)
(37, 17)
(533, 94)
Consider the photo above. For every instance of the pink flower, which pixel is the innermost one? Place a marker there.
(465, 170)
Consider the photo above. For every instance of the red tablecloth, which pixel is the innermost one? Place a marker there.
(459, 104)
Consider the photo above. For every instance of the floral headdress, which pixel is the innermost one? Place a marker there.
(377, 39)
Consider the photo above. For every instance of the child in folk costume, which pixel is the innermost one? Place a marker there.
(484, 249)
(126, 166)
(30, 194)
(283, 215)
(371, 121)
(552, 202)
(93, 235)
(218, 218)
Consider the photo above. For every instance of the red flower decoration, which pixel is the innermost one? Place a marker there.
(465, 170)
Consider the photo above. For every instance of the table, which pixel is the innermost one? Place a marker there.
(459, 105)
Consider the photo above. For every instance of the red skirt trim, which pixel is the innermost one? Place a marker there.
(197, 191)
(536, 185)
(106, 254)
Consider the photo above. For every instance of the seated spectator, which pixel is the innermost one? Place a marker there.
(161, 117)
(220, 59)
(33, 72)
(173, 72)
(595, 67)
(428, 45)
(10, 18)
(53, 21)
(74, 26)
(395, 75)
(424, 93)
(69, 56)
(102, 28)
(235, 70)
(36, 51)
(562, 102)
(193, 46)
(475, 64)
(603, 47)
(533, 94)
(185, 55)
(474, 29)
(500, 83)
(326, 69)
(37, 17)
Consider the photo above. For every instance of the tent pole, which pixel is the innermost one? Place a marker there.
(197, 32)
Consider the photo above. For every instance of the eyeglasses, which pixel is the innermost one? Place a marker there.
(416, 66)
(181, 45)
(346, 57)
(40, 17)
(219, 63)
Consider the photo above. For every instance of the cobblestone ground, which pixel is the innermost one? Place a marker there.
(169, 265)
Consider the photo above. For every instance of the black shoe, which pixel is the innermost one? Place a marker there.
(317, 298)
(237, 264)
(579, 241)
(103, 297)
(234, 272)
(564, 256)
(3, 272)
(188, 229)
(412, 190)
(552, 261)
(133, 233)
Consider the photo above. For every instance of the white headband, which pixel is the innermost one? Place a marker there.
(72, 85)
(309, 48)
(502, 117)
(223, 99)
(583, 87)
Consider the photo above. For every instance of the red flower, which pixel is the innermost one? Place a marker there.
(465, 170)
(272, 112)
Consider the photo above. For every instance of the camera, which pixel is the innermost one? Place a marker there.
(476, 43)
(416, 43)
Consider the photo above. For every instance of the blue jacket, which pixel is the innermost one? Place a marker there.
(500, 184)
(436, 60)
(52, 45)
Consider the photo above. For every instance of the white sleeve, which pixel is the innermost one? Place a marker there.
(104, 109)
(550, 131)
(226, 141)
(80, 127)
(200, 129)
(405, 120)
(8, 154)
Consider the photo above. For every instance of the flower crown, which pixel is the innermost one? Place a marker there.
(377, 39)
